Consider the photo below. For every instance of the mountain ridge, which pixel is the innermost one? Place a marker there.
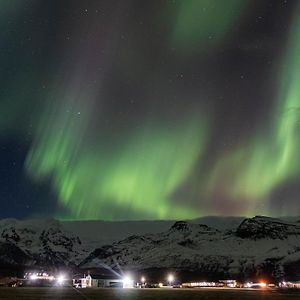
(256, 246)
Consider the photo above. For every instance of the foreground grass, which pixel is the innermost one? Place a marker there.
(31, 293)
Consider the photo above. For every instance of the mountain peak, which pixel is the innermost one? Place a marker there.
(181, 226)
(265, 227)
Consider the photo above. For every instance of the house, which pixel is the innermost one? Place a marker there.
(102, 281)
(290, 284)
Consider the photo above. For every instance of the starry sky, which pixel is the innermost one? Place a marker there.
(129, 109)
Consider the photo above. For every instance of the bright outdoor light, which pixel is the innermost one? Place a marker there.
(127, 279)
(33, 277)
(263, 284)
(60, 279)
(143, 279)
(127, 282)
(170, 278)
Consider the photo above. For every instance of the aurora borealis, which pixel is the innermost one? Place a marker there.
(149, 110)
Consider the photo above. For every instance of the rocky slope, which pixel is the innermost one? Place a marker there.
(259, 245)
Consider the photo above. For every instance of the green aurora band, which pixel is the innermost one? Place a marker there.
(136, 173)
(139, 177)
(272, 157)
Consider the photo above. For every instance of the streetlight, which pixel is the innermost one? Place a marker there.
(127, 282)
(60, 279)
(33, 277)
(143, 280)
(170, 279)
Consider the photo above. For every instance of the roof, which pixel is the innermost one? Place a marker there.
(107, 277)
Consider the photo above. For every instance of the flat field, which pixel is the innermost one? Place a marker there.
(33, 293)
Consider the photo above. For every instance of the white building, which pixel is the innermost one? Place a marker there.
(98, 281)
(290, 284)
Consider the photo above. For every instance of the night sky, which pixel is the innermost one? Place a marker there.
(131, 109)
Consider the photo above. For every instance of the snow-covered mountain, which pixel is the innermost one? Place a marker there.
(53, 243)
(237, 247)
(38, 242)
(259, 245)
